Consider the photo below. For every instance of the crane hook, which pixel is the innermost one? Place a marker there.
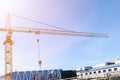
(39, 61)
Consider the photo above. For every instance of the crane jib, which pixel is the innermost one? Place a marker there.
(54, 32)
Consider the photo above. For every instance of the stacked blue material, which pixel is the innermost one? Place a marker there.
(37, 75)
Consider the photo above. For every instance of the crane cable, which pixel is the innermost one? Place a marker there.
(39, 60)
(54, 26)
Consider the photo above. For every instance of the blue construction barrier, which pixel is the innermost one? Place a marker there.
(37, 75)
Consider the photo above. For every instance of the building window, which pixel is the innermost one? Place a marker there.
(94, 72)
(90, 72)
(86, 73)
(99, 71)
(109, 70)
(104, 70)
(115, 69)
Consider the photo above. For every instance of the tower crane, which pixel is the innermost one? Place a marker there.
(8, 60)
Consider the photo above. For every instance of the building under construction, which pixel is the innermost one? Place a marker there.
(109, 71)
(56, 74)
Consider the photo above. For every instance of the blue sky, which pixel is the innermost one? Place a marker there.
(62, 52)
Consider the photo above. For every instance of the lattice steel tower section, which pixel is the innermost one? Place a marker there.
(8, 65)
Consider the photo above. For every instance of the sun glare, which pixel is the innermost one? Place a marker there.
(4, 7)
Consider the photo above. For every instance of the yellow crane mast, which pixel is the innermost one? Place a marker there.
(8, 61)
